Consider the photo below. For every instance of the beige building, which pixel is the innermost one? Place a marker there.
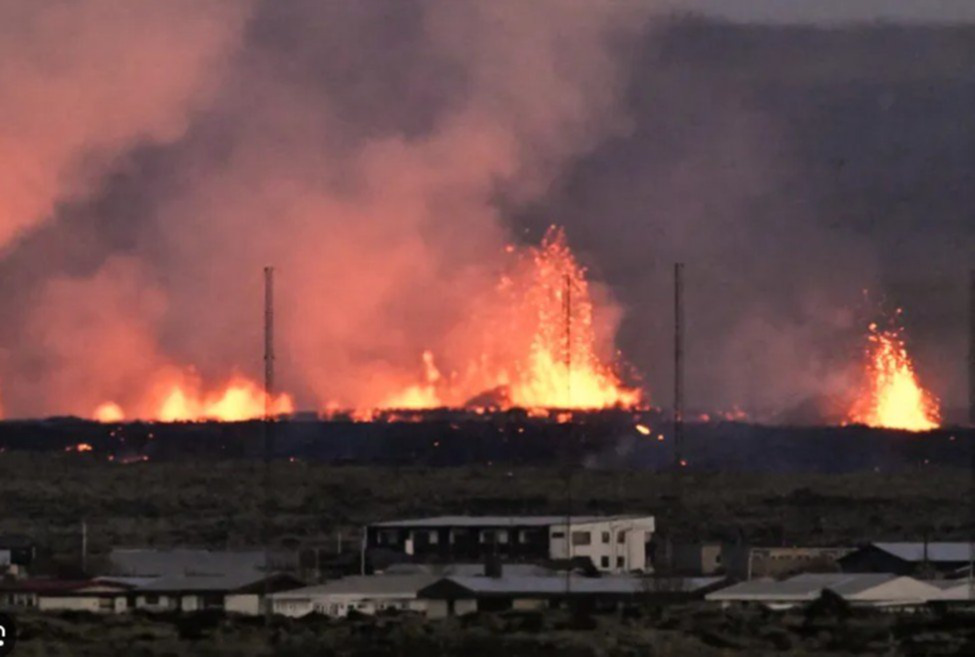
(616, 544)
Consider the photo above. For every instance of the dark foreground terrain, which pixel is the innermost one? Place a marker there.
(218, 503)
(826, 628)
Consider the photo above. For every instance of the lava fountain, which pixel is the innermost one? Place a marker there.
(540, 349)
(892, 397)
(180, 397)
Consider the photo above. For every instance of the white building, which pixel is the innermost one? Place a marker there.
(366, 594)
(868, 589)
(614, 544)
(241, 593)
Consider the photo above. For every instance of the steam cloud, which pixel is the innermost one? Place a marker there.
(382, 154)
(361, 147)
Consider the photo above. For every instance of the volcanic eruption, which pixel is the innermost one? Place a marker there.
(892, 396)
(541, 350)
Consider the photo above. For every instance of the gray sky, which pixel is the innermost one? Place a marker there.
(831, 11)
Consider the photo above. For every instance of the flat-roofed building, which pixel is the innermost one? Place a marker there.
(613, 543)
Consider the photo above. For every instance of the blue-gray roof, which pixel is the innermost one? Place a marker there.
(498, 521)
(936, 552)
(548, 585)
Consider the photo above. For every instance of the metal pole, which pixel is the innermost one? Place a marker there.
(678, 364)
(971, 435)
(84, 547)
(568, 340)
(971, 348)
(268, 430)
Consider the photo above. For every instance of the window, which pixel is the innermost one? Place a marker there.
(558, 534)
(605, 537)
(152, 599)
(604, 562)
(620, 562)
(434, 537)
(621, 537)
(581, 538)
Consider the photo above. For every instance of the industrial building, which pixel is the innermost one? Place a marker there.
(613, 544)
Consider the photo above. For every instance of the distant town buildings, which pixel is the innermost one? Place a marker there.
(456, 565)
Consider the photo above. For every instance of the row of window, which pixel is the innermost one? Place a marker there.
(485, 536)
(585, 538)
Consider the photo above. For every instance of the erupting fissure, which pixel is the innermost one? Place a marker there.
(181, 398)
(892, 396)
(545, 351)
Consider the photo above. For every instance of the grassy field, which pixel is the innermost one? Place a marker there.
(218, 503)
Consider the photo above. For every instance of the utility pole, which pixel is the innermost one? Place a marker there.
(84, 547)
(971, 348)
(567, 307)
(971, 434)
(268, 430)
(678, 365)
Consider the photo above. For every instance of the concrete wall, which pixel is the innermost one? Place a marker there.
(243, 603)
(292, 608)
(162, 603)
(93, 604)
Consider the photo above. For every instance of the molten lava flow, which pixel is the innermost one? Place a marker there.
(539, 348)
(109, 412)
(180, 398)
(241, 399)
(893, 397)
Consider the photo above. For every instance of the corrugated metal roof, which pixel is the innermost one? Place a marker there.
(182, 561)
(225, 582)
(615, 585)
(499, 521)
(365, 585)
(915, 552)
(803, 587)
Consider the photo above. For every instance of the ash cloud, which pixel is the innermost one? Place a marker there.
(382, 154)
(361, 148)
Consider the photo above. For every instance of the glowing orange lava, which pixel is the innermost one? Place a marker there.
(541, 351)
(893, 397)
(181, 398)
(109, 412)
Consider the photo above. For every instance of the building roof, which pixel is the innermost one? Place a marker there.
(365, 585)
(215, 583)
(499, 521)
(466, 569)
(872, 586)
(550, 586)
(141, 562)
(956, 552)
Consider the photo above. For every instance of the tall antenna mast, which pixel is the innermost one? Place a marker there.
(268, 430)
(971, 434)
(567, 298)
(678, 364)
(971, 348)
